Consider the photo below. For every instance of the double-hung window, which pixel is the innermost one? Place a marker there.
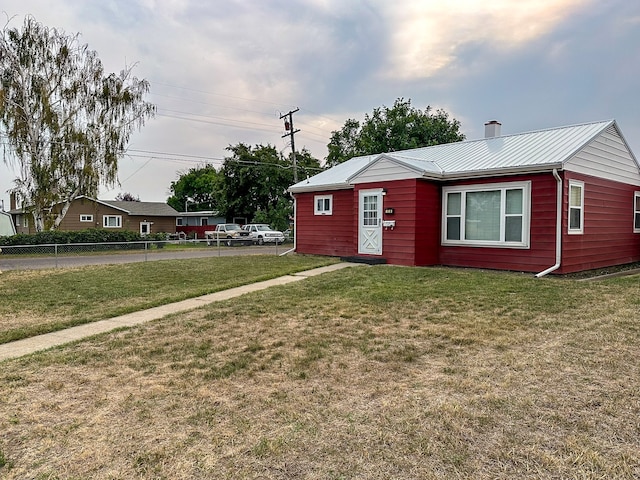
(576, 207)
(636, 212)
(492, 215)
(112, 221)
(323, 204)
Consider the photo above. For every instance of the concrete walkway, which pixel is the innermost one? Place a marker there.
(54, 339)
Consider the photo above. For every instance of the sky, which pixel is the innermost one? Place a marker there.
(223, 72)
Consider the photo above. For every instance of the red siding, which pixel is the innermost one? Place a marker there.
(541, 253)
(331, 235)
(416, 205)
(608, 237)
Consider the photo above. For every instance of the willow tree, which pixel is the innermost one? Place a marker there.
(64, 122)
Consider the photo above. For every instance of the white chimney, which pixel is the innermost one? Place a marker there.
(492, 129)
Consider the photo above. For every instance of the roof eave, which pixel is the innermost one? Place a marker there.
(499, 172)
(320, 188)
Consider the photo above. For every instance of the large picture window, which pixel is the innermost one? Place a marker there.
(636, 212)
(576, 207)
(495, 215)
(323, 204)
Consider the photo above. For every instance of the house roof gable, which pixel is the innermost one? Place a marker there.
(540, 150)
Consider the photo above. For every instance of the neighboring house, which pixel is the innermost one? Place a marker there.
(85, 212)
(197, 223)
(564, 200)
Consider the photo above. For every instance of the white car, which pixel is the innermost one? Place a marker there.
(262, 233)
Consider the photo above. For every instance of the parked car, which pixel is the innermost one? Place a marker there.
(230, 233)
(262, 233)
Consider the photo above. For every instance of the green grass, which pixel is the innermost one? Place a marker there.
(365, 373)
(36, 302)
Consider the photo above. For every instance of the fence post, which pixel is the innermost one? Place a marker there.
(55, 251)
(146, 244)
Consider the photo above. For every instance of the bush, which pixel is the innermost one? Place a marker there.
(93, 235)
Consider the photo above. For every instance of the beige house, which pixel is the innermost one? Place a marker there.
(84, 213)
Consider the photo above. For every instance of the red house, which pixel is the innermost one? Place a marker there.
(559, 200)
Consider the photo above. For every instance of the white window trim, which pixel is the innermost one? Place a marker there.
(105, 223)
(86, 218)
(485, 187)
(575, 231)
(179, 222)
(317, 211)
(148, 224)
(636, 212)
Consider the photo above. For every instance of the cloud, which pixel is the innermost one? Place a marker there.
(428, 36)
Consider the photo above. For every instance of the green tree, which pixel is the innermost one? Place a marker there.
(400, 127)
(256, 180)
(127, 197)
(197, 189)
(64, 120)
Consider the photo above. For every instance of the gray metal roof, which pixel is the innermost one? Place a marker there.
(149, 209)
(537, 150)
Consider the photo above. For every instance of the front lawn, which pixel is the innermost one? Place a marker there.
(364, 373)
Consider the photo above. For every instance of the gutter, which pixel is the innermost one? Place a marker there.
(295, 223)
(558, 228)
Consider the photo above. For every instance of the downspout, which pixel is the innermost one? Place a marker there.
(558, 227)
(295, 223)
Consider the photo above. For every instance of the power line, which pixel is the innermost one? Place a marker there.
(218, 94)
(213, 116)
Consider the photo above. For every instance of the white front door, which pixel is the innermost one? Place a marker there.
(370, 222)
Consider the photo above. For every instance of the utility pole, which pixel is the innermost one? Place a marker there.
(288, 125)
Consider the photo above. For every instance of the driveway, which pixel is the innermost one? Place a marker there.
(66, 261)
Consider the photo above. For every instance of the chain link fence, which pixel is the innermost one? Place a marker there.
(17, 257)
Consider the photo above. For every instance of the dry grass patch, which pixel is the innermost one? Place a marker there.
(376, 372)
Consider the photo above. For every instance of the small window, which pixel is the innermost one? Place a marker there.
(112, 221)
(576, 207)
(323, 205)
(86, 218)
(204, 221)
(178, 221)
(636, 212)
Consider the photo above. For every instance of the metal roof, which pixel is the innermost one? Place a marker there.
(537, 150)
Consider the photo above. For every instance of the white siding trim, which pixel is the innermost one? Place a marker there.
(636, 212)
(608, 157)
(385, 170)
